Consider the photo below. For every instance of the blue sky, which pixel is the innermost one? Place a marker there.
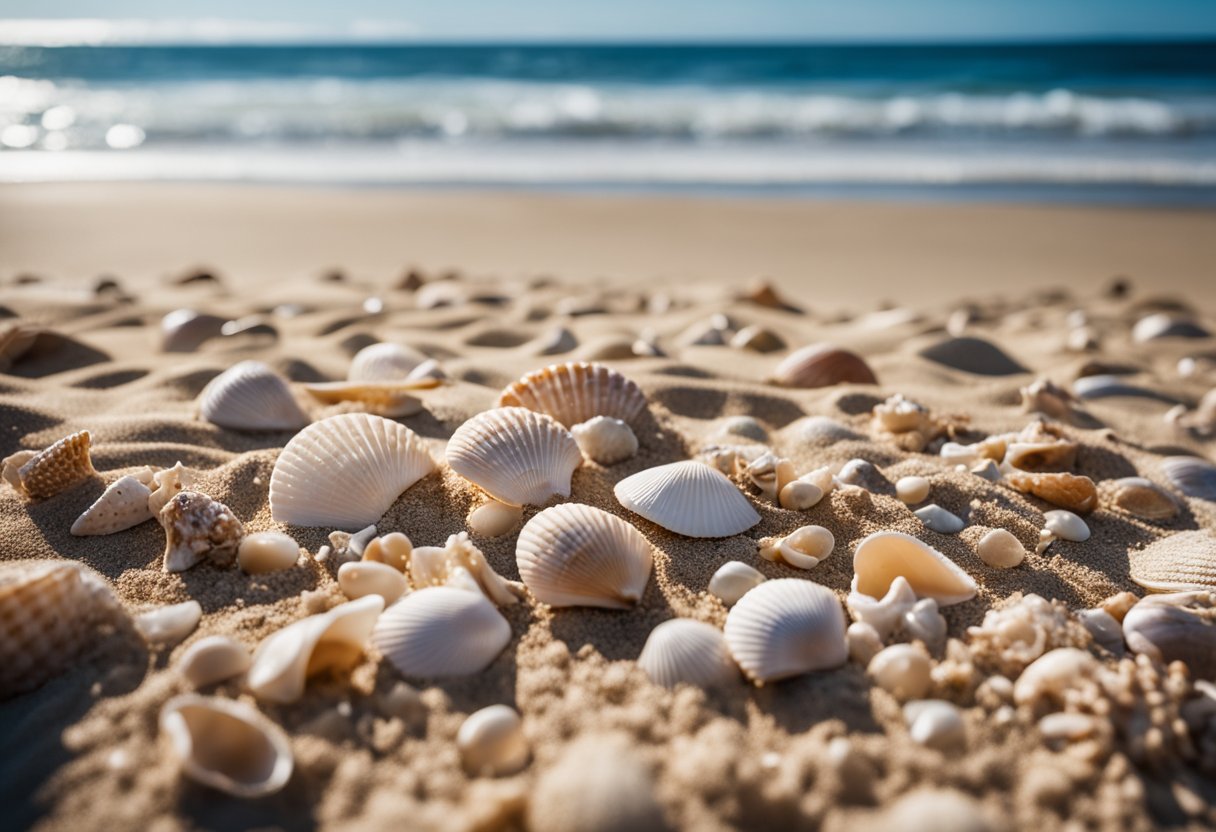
(636, 19)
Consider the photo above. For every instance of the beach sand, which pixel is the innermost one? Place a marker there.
(883, 280)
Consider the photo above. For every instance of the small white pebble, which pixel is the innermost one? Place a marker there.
(263, 552)
(912, 489)
(1000, 549)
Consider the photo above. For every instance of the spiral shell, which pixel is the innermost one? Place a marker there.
(42, 474)
(883, 556)
(822, 365)
(688, 498)
(785, 628)
(575, 392)
(518, 456)
(683, 651)
(197, 526)
(251, 396)
(441, 631)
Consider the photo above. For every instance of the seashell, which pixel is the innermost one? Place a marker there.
(1041, 456)
(1053, 673)
(1043, 396)
(884, 556)
(360, 578)
(518, 456)
(800, 495)
(729, 459)
(733, 580)
(745, 427)
(864, 642)
(577, 555)
(1104, 628)
(166, 485)
(769, 473)
(688, 498)
(931, 808)
(925, 624)
(184, 330)
(345, 471)
(1061, 525)
(330, 642)
(227, 745)
(820, 430)
(491, 742)
(757, 339)
(935, 723)
(213, 659)
(956, 454)
(494, 519)
(393, 549)
(1143, 498)
(1000, 549)
(1117, 606)
(912, 490)
(264, 552)
(900, 415)
(863, 474)
(197, 526)
(251, 396)
(972, 355)
(441, 631)
(902, 670)
(605, 440)
(762, 293)
(344, 546)
(1107, 386)
(459, 559)
(785, 628)
(169, 625)
(42, 474)
(1069, 491)
(553, 341)
(394, 399)
(683, 651)
(1192, 476)
(1183, 561)
(802, 548)
(15, 340)
(883, 614)
(987, 470)
(575, 392)
(384, 362)
(822, 365)
(1165, 325)
(939, 520)
(1170, 628)
(123, 505)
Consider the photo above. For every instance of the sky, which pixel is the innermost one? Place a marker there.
(574, 20)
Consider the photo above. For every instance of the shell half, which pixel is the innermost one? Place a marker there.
(688, 498)
(683, 651)
(786, 627)
(42, 474)
(884, 556)
(822, 365)
(1192, 476)
(1183, 561)
(441, 631)
(123, 505)
(251, 396)
(575, 392)
(518, 456)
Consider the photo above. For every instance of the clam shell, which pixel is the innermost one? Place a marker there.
(227, 745)
(683, 651)
(384, 362)
(441, 631)
(264, 552)
(213, 659)
(518, 456)
(575, 392)
(884, 556)
(1143, 498)
(491, 742)
(1165, 325)
(785, 628)
(605, 440)
(332, 641)
(1182, 561)
(822, 365)
(1168, 628)
(251, 396)
(123, 505)
(345, 471)
(197, 526)
(688, 498)
(168, 625)
(185, 330)
(57, 468)
(1192, 476)
(577, 555)
(733, 580)
(1068, 491)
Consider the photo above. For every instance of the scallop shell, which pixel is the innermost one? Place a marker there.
(332, 641)
(1143, 498)
(213, 659)
(1170, 628)
(393, 399)
(167, 626)
(441, 631)
(1192, 476)
(1182, 561)
(123, 505)
(822, 365)
(575, 392)
(251, 396)
(435, 566)
(683, 651)
(491, 742)
(605, 440)
(384, 362)
(733, 580)
(518, 456)
(884, 556)
(345, 471)
(786, 627)
(802, 548)
(227, 745)
(42, 474)
(1069, 491)
(688, 498)
(197, 526)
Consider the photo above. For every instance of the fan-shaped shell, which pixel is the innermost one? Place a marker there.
(575, 392)
(683, 651)
(345, 471)
(123, 505)
(1182, 561)
(1192, 476)
(518, 456)
(384, 362)
(441, 631)
(42, 474)
(786, 627)
(688, 498)
(884, 556)
(822, 365)
(577, 555)
(251, 396)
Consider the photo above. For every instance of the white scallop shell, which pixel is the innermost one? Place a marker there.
(330, 641)
(683, 651)
(227, 745)
(575, 392)
(577, 555)
(786, 627)
(251, 396)
(1192, 476)
(441, 631)
(384, 362)
(345, 471)
(213, 659)
(884, 556)
(1183, 561)
(688, 498)
(518, 456)
(491, 742)
(733, 580)
(123, 505)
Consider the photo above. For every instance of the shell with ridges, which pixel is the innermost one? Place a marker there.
(518, 456)
(441, 631)
(688, 498)
(123, 505)
(575, 392)
(1192, 476)
(1183, 561)
(884, 556)
(785, 628)
(251, 396)
(822, 365)
(42, 474)
(385, 361)
(683, 651)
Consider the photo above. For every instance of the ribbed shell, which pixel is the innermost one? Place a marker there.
(690, 652)
(1182, 561)
(575, 555)
(345, 471)
(1192, 476)
(52, 470)
(688, 498)
(123, 505)
(785, 628)
(251, 396)
(441, 631)
(518, 456)
(822, 365)
(575, 392)
(383, 362)
(884, 556)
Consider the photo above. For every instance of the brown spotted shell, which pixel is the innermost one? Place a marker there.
(1070, 491)
(55, 469)
(1180, 562)
(822, 365)
(575, 392)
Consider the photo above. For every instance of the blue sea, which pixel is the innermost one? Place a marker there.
(1126, 122)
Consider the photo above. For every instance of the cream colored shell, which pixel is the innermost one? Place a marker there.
(123, 504)
(884, 556)
(786, 627)
(459, 563)
(360, 578)
(168, 625)
(733, 580)
(263, 552)
(213, 659)
(441, 631)
(688, 498)
(493, 519)
(575, 392)
(802, 548)
(251, 396)
(518, 456)
(683, 651)
(384, 362)
(492, 742)
(605, 440)
(1183, 561)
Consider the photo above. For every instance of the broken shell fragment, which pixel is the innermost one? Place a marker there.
(492, 742)
(213, 659)
(688, 498)
(1143, 498)
(1061, 525)
(1183, 561)
(264, 552)
(518, 456)
(822, 365)
(683, 651)
(605, 440)
(1000, 549)
(359, 578)
(803, 548)
(42, 474)
(733, 580)
(769, 473)
(883, 613)
(441, 631)
(251, 396)
(575, 392)
(393, 549)
(884, 556)
(935, 723)
(169, 625)
(494, 519)
(939, 520)
(1068, 491)
(197, 526)
(393, 399)
(785, 628)
(460, 563)
(123, 505)
(166, 485)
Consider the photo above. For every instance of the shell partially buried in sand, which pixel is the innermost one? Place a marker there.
(38, 475)
(785, 628)
(575, 392)
(123, 504)
(688, 498)
(385, 361)
(682, 651)
(822, 365)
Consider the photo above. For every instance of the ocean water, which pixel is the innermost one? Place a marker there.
(1123, 122)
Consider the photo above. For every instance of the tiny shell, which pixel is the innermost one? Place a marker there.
(802, 548)
(884, 556)
(1169, 628)
(769, 473)
(902, 670)
(213, 659)
(757, 339)
(683, 651)
(972, 355)
(251, 396)
(1106, 631)
(733, 580)
(912, 490)
(1041, 456)
(1050, 675)
(939, 520)
(785, 628)
(1043, 396)
(267, 552)
(518, 456)
(15, 340)
(1107, 386)
(359, 578)
(441, 631)
(1192, 476)
(800, 495)
(460, 563)
(1069, 491)
(822, 365)
(166, 485)
(924, 623)
(123, 505)
(605, 440)
(43, 474)
(883, 613)
(688, 498)
(864, 642)
(1143, 498)
(575, 392)
(393, 548)
(491, 742)
(167, 626)
(494, 519)
(384, 362)
(1183, 561)
(184, 330)
(935, 723)
(1165, 325)
(1000, 549)
(197, 526)
(1066, 526)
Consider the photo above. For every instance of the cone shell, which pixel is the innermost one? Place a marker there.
(384, 362)
(785, 628)
(518, 456)
(1182, 561)
(683, 651)
(576, 555)
(345, 471)
(251, 396)
(123, 505)
(441, 631)
(688, 498)
(576, 392)
(822, 365)
(884, 556)
(46, 473)
(1192, 476)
